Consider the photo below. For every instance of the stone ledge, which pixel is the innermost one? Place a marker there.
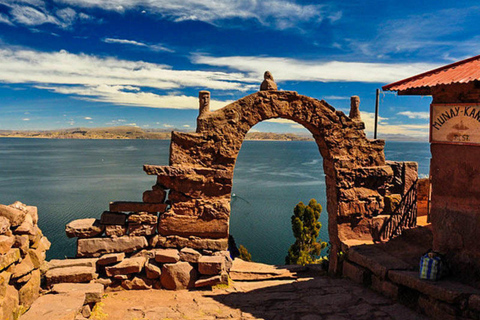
(130, 206)
(444, 290)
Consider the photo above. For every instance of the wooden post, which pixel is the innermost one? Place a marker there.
(376, 114)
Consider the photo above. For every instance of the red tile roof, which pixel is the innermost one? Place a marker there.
(459, 72)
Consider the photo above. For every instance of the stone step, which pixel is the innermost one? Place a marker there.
(243, 270)
(71, 275)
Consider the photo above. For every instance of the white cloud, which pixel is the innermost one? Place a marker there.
(31, 16)
(165, 125)
(155, 47)
(415, 115)
(336, 98)
(280, 120)
(288, 69)
(87, 118)
(186, 126)
(5, 19)
(26, 119)
(133, 124)
(386, 128)
(280, 14)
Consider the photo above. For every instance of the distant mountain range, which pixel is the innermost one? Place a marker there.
(126, 132)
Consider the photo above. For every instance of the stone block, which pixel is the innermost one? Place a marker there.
(211, 265)
(126, 266)
(15, 216)
(474, 302)
(12, 256)
(6, 243)
(84, 228)
(210, 281)
(185, 226)
(154, 196)
(228, 259)
(152, 271)
(176, 276)
(4, 225)
(385, 287)
(143, 218)
(22, 242)
(33, 212)
(68, 263)
(136, 283)
(435, 309)
(42, 244)
(9, 304)
(37, 256)
(54, 306)
(137, 229)
(110, 258)
(24, 267)
(356, 273)
(376, 260)
(30, 291)
(190, 242)
(113, 218)
(27, 227)
(115, 230)
(189, 255)
(125, 206)
(410, 175)
(97, 246)
(92, 292)
(166, 255)
(71, 274)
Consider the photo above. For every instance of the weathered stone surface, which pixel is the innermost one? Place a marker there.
(24, 267)
(33, 212)
(70, 274)
(12, 256)
(228, 259)
(385, 287)
(22, 242)
(115, 218)
(124, 206)
(153, 271)
(115, 230)
(143, 218)
(176, 276)
(92, 292)
(244, 270)
(15, 216)
(6, 243)
(55, 306)
(9, 304)
(37, 256)
(4, 225)
(110, 258)
(30, 291)
(105, 282)
(356, 273)
(27, 227)
(167, 255)
(84, 228)
(190, 242)
(4, 280)
(154, 196)
(391, 203)
(211, 265)
(136, 284)
(172, 224)
(68, 263)
(268, 82)
(136, 229)
(189, 255)
(97, 246)
(444, 290)
(42, 244)
(209, 281)
(127, 266)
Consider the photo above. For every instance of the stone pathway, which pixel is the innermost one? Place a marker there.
(302, 299)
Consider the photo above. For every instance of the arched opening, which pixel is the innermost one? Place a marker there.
(270, 178)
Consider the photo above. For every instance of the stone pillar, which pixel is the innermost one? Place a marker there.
(204, 100)
(355, 108)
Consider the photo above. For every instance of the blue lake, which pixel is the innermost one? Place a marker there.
(73, 179)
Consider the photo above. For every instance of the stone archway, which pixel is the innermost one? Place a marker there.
(200, 173)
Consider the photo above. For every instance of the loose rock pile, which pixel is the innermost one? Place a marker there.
(22, 254)
(123, 249)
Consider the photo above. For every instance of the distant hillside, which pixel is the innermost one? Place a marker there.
(126, 132)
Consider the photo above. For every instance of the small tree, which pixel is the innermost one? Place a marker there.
(305, 227)
(244, 254)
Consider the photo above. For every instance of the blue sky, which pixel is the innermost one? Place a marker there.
(92, 63)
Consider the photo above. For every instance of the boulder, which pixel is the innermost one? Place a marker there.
(136, 229)
(136, 284)
(114, 230)
(97, 246)
(189, 255)
(143, 218)
(110, 258)
(15, 216)
(6, 243)
(180, 275)
(4, 225)
(70, 274)
(30, 291)
(211, 265)
(153, 271)
(166, 255)
(12, 256)
(84, 228)
(126, 266)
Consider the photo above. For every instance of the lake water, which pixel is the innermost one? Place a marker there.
(73, 179)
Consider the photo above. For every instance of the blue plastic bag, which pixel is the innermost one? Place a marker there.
(432, 266)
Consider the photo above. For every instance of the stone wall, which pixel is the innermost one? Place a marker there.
(22, 253)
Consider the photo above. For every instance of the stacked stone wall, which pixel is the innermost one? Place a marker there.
(22, 257)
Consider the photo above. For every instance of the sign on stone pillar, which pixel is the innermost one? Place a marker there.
(455, 123)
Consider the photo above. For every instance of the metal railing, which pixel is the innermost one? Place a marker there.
(404, 217)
